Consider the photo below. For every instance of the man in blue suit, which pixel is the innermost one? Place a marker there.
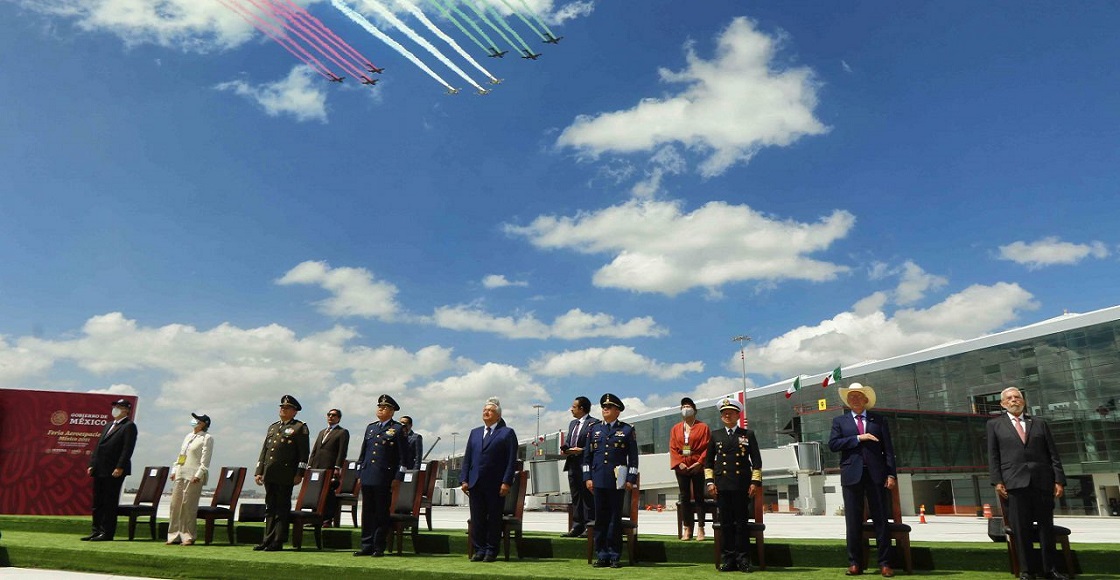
(866, 470)
(384, 457)
(583, 503)
(487, 476)
(610, 467)
(109, 464)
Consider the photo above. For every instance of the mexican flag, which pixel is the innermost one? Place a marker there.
(796, 386)
(835, 376)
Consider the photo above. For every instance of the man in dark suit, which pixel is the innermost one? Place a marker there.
(610, 467)
(487, 477)
(733, 466)
(280, 468)
(1025, 469)
(329, 452)
(415, 443)
(574, 443)
(109, 464)
(384, 457)
(867, 470)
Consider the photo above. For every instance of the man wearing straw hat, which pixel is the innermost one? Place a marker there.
(867, 470)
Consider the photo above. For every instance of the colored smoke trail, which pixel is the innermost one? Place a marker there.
(450, 41)
(338, 41)
(278, 35)
(305, 33)
(525, 20)
(451, 18)
(537, 18)
(370, 28)
(482, 16)
(392, 18)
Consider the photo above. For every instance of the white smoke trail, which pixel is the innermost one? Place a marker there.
(361, 21)
(415, 10)
(392, 18)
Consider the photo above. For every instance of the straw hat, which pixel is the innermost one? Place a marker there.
(858, 388)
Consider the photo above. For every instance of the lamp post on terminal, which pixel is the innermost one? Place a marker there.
(743, 339)
(454, 439)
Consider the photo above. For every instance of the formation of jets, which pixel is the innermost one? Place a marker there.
(494, 53)
(549, 38)
(530, 54)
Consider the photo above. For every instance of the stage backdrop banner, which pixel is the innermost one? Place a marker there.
(46, 438)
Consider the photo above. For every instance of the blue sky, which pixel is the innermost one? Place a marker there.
(190, 216)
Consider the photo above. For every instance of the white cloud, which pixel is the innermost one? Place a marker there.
(667, 161)
(19, 364)
(117, 389)
(297, 95)
(1051, 251)
(354, 292)
(187, 25)
(872, 333)
(551, 11)
(730, 107)
(913, 283)
(499, 281)
(574, 324)
(614, 359)
(658, 248)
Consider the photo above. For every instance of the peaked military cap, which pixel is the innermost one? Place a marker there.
(609, 399)
(122, 403)
(290, 400)
(387, 400)
(727, 403)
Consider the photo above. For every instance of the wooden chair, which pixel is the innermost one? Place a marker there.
(513, 513)
(349, 490)
(1061, 536)
(629, 524)
(146, 502)
(432, 468)
(708, 517)
(405, 514)
(756, 530)
(899, 532)
(310, 504)
(224, 504)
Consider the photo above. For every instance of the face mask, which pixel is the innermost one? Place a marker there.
(687, 412)
(118, 412)
(194, 422)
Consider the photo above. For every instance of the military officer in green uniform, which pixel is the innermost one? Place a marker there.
(280, 467)
(733, 472)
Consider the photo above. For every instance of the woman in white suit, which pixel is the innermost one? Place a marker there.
(188, 476)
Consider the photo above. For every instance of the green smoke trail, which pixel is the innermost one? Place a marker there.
(537, 18)
(454, 8)
(482, 15)
(510, 29)
(525, 20)
(447, 15)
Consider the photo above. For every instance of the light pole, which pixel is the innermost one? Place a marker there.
(454, 438)
(743, 339)
(537, 441)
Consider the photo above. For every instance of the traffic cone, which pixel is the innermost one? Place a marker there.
(922, 514)
(988, 511)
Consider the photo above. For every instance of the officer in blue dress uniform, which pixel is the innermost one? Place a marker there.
(384, 457)
(280, 467)
(733, 475)
(610, 467)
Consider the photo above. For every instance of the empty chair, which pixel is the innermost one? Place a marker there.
(405, 512)
(146, 502)
(432, 468)
(224, 504)
(349, 490)
(310, 505)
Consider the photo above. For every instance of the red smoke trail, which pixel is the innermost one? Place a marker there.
(270, 31)
(319, 24)
(307, 35)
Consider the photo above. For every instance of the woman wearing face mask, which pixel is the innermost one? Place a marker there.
(188, 476)
(688, 448)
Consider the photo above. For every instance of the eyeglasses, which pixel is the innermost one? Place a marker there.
(332, 414)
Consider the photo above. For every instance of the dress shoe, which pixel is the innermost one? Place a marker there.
(478, 557)
(887, 572)
(854, 570)
(101, 538)
(616, 564)
(273, 548)
(364, 553)
(490, 558)
(259, 547)
(90, 537)
(728, 567)
(745, 566)
(378, 554)
(600, 564)
(1025, 576)
(573, 533)
(1056, 575)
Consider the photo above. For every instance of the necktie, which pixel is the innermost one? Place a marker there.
(730, 432)
(487, 433)
(859, 424)
(327, 434)
(1019, 427)
(113, 428)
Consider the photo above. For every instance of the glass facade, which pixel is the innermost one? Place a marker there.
(938, 407)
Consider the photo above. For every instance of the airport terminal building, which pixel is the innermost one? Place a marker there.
(937, 402)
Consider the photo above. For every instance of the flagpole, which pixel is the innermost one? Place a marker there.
(742, 339)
